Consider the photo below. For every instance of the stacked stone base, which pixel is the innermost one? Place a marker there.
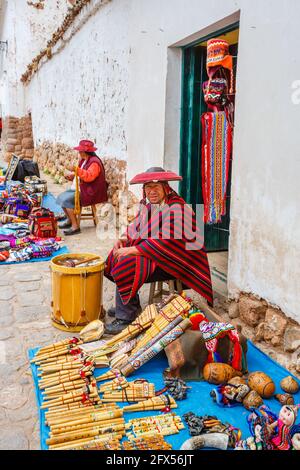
(268, 326)
(53, 159)
(17, 137)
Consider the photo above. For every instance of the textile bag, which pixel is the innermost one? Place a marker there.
(42, 223)
(215, 91)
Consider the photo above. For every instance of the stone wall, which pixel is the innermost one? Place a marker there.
(17, 137)
(270, 327)
(53, 159)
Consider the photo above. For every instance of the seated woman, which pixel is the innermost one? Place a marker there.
(92, 185)
(163, 242)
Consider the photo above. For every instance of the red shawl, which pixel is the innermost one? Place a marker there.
(163, 241)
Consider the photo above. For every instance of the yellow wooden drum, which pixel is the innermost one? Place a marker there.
(77, 292)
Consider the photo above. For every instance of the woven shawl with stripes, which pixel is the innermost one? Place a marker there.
(167, 250)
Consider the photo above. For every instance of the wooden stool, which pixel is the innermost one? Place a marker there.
(89, 214)
(156, 294)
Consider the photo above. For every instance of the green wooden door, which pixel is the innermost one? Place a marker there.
(216, 236)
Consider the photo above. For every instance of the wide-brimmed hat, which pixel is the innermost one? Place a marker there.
(154, 175)
(86, 146)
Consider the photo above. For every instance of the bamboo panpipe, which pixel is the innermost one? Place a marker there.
(74, 415)
(116, 384)
(102, 424)
(147, 443)
(156, 403)
(134, 391)
(93, 417)
(155, 348)
(73, 397)
(143, 321)
(177, 307)
(74, 435)
(49, 395)
(53, 354)
(52, 347)
(111, 374)
(59, 438)
(111, 444)
(63, 415)
(68, 379)
(60, 359)
(78, 442)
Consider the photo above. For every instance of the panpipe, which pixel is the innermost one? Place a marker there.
(147, 443)
(136, 391)
(143, 321)
(156, 403)
(116, 384)
(155, 348)
(176, 308)
(166, 425)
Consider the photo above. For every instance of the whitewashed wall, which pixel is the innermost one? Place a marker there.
(86, 96)
(118, 81)
(26, 30)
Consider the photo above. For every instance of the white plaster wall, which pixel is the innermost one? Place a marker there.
(82, 91)
(27, 30)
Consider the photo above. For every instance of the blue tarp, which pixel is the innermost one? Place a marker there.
(198, 399)
(49, 202)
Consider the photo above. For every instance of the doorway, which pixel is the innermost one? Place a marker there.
(216, 236)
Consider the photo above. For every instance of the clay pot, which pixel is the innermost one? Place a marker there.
(289, 384)
(252, 400)
(262, 384)
(218, 373)
(285, 398)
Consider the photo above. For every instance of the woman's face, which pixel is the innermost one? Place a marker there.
(155, 192)
(83, 155)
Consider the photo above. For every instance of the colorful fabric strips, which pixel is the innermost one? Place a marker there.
(216, 151)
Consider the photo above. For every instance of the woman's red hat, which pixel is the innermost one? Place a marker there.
(86, 146)
(155, 174)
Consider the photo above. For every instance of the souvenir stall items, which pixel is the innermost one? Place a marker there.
(219, 373)
(139, 390)
(295, 437)
(212, 332)
(165, 424)
(175, 386)
(285, 398)
(92, 332)
(215, 440)
(42, 223)
(229, 394)
(161, 403)
(218, 56)
(154, 349)
(262, 384)
(156, 442)
(269, 431)
(202, 425)
(216, 152)
(289, 384)
(34, 184)
(252, 400)
(75, 414)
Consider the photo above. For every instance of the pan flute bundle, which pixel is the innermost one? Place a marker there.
(166, 424)
(174, 309)
(147, 443)
(118, 383)
(155, 348)
(134, 392)
(155, 403)
(142, 322)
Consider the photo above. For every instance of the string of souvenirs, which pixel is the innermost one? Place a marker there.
(27, 230)
(84, 410)
(217, 129)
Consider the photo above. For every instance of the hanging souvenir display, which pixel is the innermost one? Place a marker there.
(216, 152)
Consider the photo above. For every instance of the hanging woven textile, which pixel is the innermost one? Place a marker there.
(216, 151)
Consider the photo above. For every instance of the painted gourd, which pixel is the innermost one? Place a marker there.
(262, 384)
(289, 385)
(218, 373)
(252, 400)
(285, 398)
